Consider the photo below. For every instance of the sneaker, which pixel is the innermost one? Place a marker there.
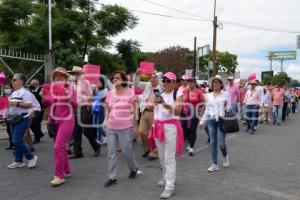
(161, 183)
(15, 165)
(32, 162)
(68, 175)
(57, 181)
(133, 174)
(167, 194)
(213, 168)
(110, 182)
(226, 162)
(104, 141)
(191, 152)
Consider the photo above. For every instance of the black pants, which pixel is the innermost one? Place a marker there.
(36, 124)
(284, 111)
(294, 107)
(9, 134)
(190, 134)
(84, 119)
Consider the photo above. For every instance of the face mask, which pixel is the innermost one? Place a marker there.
(72, 78)
(7, 92)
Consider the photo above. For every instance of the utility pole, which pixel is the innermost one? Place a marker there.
(214, 50)
(195, 56)
(49, 60)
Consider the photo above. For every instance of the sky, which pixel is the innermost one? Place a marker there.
(250, 45)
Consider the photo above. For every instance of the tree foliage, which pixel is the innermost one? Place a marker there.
(281, 79)
(174, 58)
(225, 62)
(79, 27)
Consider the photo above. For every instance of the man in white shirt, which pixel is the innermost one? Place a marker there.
(20, 106)
(146, 109)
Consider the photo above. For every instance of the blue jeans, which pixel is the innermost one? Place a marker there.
(98, 119)
(18, 131)
(277, 114)
(216, 138)
(234, 109)
(251, 116)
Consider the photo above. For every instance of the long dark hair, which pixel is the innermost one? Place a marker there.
(101, 79)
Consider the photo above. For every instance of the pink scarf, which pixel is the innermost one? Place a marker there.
(157, 131)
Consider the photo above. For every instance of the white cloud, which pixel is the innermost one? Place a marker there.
(156, 33)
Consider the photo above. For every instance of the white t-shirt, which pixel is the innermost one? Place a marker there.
(35, 104)
(23, 96)
(160, 112)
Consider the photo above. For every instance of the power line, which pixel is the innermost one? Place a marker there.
(200, 19)
(174, 9)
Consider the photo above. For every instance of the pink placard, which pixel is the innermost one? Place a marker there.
(91, 73)
(138, 90)
(2, 78)
(3, 103)
(46, 90)
(58, 89)
(147, 67)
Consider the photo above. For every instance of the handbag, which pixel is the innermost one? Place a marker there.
(51, 127)
(229, 125)
(14, 119)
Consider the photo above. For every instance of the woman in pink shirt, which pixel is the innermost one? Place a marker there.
(252, 102)
(121, 126)
(61, 112)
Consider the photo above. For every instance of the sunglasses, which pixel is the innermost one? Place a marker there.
(192, 80)
(166, 80)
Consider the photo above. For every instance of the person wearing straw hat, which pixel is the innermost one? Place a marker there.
(217, 103)
(83, 115)
(61, 111)
(252, 102)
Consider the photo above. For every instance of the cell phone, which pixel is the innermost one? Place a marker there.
(156, 93)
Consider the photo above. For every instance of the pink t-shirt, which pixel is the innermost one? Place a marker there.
(120, 109)
(278, 96)
(234, 93)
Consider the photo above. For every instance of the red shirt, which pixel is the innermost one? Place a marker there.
(193, 97)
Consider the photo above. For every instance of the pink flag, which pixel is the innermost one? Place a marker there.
(138, 90)
(147, 67)
(91, 73)
(3, 103)
(2, 78)
(46, 89)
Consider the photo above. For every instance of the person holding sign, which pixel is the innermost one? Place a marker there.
(62, 113)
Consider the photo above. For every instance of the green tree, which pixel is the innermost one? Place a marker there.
(225, 62)
(130, 53)
(79, 27)
(281, 79)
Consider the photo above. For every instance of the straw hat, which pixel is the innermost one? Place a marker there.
(76, 70)
(217, 77)
(60, 70)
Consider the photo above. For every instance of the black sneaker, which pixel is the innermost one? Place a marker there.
(110, 182)
(97, 152)
(145, 154)
(76, 156)
(133, 174)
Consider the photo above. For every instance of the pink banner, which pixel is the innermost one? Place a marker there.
(46, 90)
(2, 78)
(91, 73)
(3, 103)
(147, 67)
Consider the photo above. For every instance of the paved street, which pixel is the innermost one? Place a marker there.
(265, 166)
